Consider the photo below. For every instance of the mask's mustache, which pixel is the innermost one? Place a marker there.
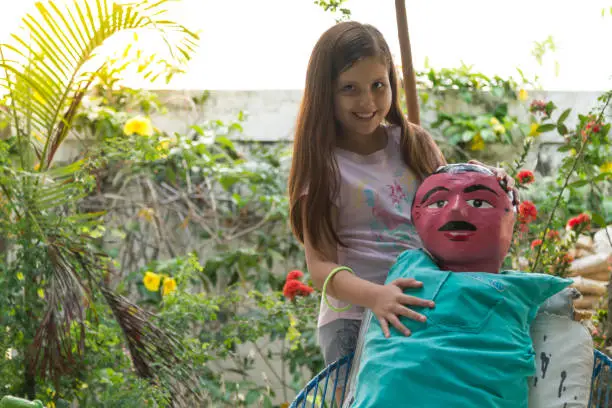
(458, 226)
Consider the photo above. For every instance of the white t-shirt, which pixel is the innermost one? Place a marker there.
(374, 201)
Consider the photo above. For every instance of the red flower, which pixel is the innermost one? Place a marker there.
(537, 106)
(593, 126)
(527, 212)
(535, 243)
(567, 258)
(294, 275)
(525, 177)
(295, 288)
(553, 234)
(580, 220)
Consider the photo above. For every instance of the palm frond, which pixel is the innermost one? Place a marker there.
(54, 350)
(45, 65)
(156, 353)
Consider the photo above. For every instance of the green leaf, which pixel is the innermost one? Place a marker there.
(488, 135)
(171, 174)
(451, 130)
(563, 116)
(466, 96)
(547, 127)
(224, 141)
(497, 92)
(579, 183)
(562, 129)
(468, 135)
(599, 220)
(65, 171)
(501, 110)
(267, 402)
(251, 397)
(227, 181)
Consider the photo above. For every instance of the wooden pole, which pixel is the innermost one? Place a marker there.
(412, 98)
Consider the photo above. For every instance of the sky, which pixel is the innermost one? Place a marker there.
(265, 44)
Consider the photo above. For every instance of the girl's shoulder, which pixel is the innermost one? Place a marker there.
(395, 135)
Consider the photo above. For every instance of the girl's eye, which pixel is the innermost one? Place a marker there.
(479, 203)
(378, 85)
(438, 204)
(348, 88)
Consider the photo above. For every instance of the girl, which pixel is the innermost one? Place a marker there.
(356, 165)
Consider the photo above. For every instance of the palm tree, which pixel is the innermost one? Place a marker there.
(48, 68)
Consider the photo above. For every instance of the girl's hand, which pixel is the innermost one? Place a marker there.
(389, 303)
(507, 182)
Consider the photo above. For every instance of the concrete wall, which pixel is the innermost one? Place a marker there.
(272, 113)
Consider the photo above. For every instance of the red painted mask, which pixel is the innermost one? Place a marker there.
(465, 220)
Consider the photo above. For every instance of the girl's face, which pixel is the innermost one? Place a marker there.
(362, 97)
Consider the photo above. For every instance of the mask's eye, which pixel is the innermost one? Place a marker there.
(479, 203)
(438, 204)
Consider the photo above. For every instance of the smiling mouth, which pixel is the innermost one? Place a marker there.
(364, 116)
(458, 230)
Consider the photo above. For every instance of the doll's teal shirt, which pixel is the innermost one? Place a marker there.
(474, 350)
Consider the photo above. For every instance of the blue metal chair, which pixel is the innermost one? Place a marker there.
(600, 387)
(321, 390)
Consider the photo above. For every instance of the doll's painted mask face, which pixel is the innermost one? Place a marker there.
(465, 220)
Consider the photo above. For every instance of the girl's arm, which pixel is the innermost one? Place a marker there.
(385, 301)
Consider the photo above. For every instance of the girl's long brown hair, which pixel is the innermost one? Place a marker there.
(314, 176)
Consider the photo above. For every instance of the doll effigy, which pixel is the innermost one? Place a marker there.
(475, 349)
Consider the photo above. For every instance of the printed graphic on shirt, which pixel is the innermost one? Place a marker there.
(391, 224)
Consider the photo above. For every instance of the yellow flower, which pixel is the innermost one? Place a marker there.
(169, 286)
(499, 129)
(573, 152)
(533, 131)
(163, 145)
(523, 95)
(494, 121)
(146, 213)
(606, 167)
(41, 293)
(477, 143)
(38, 137)
(151, 281)
(293, 334)
(20, 276)
(139, 125)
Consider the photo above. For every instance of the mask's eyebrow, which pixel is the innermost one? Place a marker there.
(477, 187)
(433, 190)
